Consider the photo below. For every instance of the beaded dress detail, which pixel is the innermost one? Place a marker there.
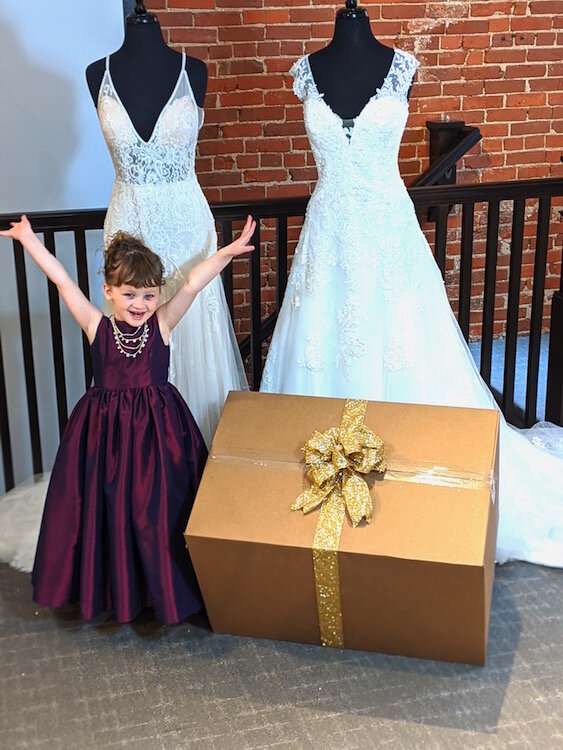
(365, 312)
(156, 197)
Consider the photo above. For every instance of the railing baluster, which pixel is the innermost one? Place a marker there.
(7, 461)
(516, 246)
(255, 312)
(82, 275)
(28, 365)
(536, 317)
(441, 237)
(227, 273)
(281, 260)
(489, 291)
(465, 268)
(554, 391)
(57, 340)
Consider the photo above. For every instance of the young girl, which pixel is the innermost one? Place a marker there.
(131, 456)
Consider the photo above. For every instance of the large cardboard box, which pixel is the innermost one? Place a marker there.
(416, 581)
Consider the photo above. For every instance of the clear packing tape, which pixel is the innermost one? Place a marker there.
(337, 459)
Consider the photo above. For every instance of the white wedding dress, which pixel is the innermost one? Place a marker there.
(156, 197)
(365, 313)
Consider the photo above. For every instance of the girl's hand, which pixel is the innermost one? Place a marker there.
(240, 245)
(21, 230)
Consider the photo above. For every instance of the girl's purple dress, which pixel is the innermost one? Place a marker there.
(121, 491)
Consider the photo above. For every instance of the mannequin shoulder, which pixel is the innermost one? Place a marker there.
(197, 73)
(94, 74)
(319, 54)
(319, 59)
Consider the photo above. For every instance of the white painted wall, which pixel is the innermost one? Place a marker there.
(52, 156)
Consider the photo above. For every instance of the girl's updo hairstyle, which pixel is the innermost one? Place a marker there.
(128, 261)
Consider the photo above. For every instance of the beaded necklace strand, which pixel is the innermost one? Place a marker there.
(130, 344)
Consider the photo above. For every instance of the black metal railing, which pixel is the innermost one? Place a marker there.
(441, 197)
(492, 194)
(281, 210)
(48, 224)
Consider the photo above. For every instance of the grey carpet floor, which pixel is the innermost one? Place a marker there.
(521, 368)
(69, 684)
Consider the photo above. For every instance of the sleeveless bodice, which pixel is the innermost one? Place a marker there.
(115, 371)
(357, 158)
(168, 155)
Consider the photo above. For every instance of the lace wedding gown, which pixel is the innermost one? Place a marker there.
(365, 313)
(156, 197)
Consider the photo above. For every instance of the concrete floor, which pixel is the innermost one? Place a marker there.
(69, 684)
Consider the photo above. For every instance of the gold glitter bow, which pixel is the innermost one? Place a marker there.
(336, 459)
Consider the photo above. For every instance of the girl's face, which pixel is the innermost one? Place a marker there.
(132, 305)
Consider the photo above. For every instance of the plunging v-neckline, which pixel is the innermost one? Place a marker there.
(168, 101)
(372, 98)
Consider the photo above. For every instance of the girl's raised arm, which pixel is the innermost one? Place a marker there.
(84, 312)
(172, 311)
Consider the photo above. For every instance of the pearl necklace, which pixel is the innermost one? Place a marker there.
(130, 344)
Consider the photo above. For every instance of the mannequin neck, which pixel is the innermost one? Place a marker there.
(145, 39)
(353, 34)
(351, 67)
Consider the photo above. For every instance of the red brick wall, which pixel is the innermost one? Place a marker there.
(494, 64)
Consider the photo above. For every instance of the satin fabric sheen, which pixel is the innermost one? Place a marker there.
(121, 491)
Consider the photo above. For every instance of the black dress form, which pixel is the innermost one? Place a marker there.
(145, 71)
(354, 64)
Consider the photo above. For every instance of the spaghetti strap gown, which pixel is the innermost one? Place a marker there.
(121, 491)
(156, 197)
(366, 315)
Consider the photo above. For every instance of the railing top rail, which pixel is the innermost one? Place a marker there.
(487, 191)
(264, 209)
(68, 220)
(60, 221)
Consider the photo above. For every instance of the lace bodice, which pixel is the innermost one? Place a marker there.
(357, 155)
(168, 155)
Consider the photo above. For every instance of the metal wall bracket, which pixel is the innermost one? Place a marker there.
(444, 136)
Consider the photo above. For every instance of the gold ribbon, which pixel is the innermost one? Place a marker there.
(336, 459)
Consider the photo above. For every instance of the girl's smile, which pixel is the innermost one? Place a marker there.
(131, 304)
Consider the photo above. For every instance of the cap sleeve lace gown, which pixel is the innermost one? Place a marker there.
(365, 312)
(121, 491)
(156, 197)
